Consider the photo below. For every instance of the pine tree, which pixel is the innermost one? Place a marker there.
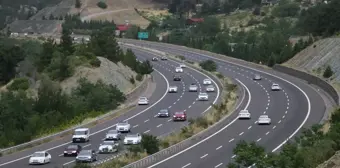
(328, 72)
(78, 4)
(66, 42)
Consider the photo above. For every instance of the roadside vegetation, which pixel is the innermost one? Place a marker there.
(34, 104)
(151, 144)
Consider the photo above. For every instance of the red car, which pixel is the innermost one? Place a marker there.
(72, 150)
(179, 116)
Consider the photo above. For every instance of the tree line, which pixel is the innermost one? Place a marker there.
(24, 115)
(312, 148)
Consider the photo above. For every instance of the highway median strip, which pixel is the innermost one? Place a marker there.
(196, 127)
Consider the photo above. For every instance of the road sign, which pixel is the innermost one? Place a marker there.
(143, 35)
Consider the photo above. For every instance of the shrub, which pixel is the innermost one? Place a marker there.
(150, 143)
(328, 72)
(219, 75)
(257, 11)
(209, 65)
(132, 80)
(180, 57)
(95, 62)
(202, 122)
(19, 84)
(190, 62)
(102, 5)
(139, 77)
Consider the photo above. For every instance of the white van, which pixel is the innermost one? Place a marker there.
(81, 135)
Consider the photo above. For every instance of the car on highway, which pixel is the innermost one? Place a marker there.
(275, 87)
(164, 58)
(72, 150)
(210, 88)
(244, 114)
(257, 77)
(81, 135)
(87, 156)
(177, 78)
(173, 89)
(132, 139)
(207, 82)
(115, 134)
(163, 113)
(179, 116)
(40, 157)
(182, 65)
(193, 88)
(203, 96)
(178, 69)
(264, 119)
(123, 126)
(143, 101)
(154, 59)
(108, 147)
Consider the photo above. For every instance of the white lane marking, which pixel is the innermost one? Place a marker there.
(283, 116)
(267, 133)
(219, 147)
(155, 115)
(233, 156)
(169, 120)
(159, 125)
(165, 93)
(146, 131)
(135, 126)
(217, 132)
(258, 140)
(189, 106)
(241, 133)
(175, 103)
(193, 102)
(250, 127)
(274, 127)
(169, 106)
(279, 122)
(186, 165)
(204, 156)
(218, 165)
(231, 140)
(68, 162)
(146, 120)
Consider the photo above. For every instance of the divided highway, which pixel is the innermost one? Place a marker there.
(142, 118)
(295, 106)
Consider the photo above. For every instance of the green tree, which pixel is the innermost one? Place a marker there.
(145, 68)
(150, 143)
(78, 4)
(328, 72)
(45, 58)
(10, 55)
(209, 65)
(19, 84)
(102, 5)
(66, 42)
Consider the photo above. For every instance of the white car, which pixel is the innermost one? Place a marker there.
(132, 139)
(108, 147)
(276, 87)
(143, 101)
(154, 59)
(40, 157)
(113, 135)
(178, 69)
(193, 88)
(182, 65)
(264, 119)
(164, 58)
(244, 114)
(123, 127)
(81, 135)
(203, 96)
(173, 89)
(257, 77)
(210, 88)
(207, 82)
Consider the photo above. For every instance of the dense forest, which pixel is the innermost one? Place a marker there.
(21, 9)
(23, 116)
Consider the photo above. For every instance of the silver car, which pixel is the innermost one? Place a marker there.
(86, 156)
(210, 88)
(113, 135)
(257, 77)
(193, 88)
(163, 113)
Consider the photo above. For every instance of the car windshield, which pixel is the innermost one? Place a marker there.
(263, 117)
(79, 132)
(72, 147)
(203, 94)
(164, 111)
(84, 153)
(132, 135)
(173, 87)
(112, 132)
(192, 85)
(108, 143)
(179, 113)
(206, 79)
(142, 98)
(38, 154)
(122, 124)
(275, 85)
(210, 86)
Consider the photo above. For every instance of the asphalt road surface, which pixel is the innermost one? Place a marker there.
(296, 105)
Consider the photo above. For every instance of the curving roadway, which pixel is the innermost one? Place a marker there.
(142, 118)
(295, 106)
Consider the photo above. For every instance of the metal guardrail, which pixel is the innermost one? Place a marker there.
(130, 94)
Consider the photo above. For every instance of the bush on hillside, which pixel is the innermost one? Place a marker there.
(95, 62)
(19, 84)
(328, 72)
(208, 65)
(102, 5)
(139, 77)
